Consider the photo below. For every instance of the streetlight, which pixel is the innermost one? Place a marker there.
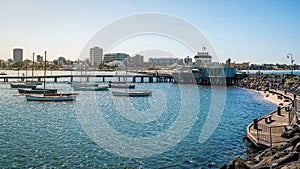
(292, 61)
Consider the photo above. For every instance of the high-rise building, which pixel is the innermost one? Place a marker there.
(96, 56)
(18, 54)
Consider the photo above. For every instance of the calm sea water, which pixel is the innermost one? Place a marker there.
(52, 135)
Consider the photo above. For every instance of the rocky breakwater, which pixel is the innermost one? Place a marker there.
(286, 156)
(289, 83)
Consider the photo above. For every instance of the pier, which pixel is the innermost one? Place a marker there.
(161, 78)
(266, 131)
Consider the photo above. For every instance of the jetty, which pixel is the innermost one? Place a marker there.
(139, 78)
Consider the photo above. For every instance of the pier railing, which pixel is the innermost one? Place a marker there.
(270, 134)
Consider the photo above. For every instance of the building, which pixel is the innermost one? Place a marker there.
(163, 61)
(111, 57)
(17, 54)
(241, 66)
(136, 60)
(39, 58)
(203, 58)
(96, 56)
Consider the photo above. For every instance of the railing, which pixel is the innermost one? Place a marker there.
(270, 134)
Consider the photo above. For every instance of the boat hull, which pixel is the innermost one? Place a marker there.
(22, 85)
(36, 91)
(132, 93)
(50, 98)
(91, 88)
(124, 86)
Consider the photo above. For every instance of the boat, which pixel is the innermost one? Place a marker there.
(119, 85)
(22, 85)
(46, 97)
(36, 91)
(90, 88)
(50, 97)
(81, 84)
(131, 93)
(3, 73)
(136, 93)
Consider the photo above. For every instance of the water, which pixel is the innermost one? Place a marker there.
(52, 135)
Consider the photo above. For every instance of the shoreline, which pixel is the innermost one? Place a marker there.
(287, 154)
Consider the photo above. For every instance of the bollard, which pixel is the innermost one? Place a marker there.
(255, 121)
(279, 111)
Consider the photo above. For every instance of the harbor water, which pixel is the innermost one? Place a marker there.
(62, 134)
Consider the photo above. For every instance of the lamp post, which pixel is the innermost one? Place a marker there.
(292, 61)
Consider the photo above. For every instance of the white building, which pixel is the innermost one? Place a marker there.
(96, 54)
(203, 57)
(18, 54)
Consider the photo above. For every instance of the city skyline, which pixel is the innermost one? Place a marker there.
(250, 31)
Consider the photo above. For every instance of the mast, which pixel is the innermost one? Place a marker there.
(45, 72)
(126, 77)
(32, 66)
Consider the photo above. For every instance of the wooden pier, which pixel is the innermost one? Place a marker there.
(103, 78)
(266, 131)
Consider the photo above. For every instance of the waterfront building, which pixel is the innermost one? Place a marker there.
(136, 60)
(164, 61)
(203, 57)
(241, 66)
(111, 57)
(18, 54)
(96, 56)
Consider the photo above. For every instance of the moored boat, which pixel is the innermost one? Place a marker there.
(124, 86)
(22, 85)
(137, 93)
(90, 88)
(80, 84)
(50, 97)
(36, 91)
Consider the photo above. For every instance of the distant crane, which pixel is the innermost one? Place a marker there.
(292, 61)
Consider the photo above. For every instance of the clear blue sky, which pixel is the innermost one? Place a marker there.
(257, 31)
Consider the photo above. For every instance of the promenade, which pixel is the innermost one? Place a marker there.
(267, 130)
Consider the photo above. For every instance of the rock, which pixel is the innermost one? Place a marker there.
(224, 166)
(297, 147)
(293, 156)
(293, 141)
(288, 134)
(239, 163)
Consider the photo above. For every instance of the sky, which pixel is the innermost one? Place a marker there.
(255, 31)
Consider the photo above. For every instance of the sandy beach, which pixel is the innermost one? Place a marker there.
(272, 97)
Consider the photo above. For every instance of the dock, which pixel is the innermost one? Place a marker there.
(140, 78)
(266, 131)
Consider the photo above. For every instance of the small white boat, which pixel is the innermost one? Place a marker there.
(91, 88)
(136, 93)
(50, 97)
(124, 86)
(80, 84)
